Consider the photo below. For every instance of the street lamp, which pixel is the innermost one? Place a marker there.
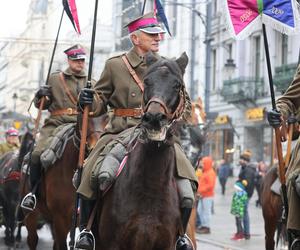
(229, 65)
(15, 97)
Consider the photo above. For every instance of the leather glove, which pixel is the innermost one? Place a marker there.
(44, 90)
(86, 97)
(291, 120)
(274, 118)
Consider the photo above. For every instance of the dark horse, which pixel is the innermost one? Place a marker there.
(141, 210)
(271, 204)
(10, 172)
(57, 195)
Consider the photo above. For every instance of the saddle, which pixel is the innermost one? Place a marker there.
(57, 142)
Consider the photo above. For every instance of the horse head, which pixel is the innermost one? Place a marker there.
(163, 98)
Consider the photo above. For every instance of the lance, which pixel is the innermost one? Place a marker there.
(281, 163)
(84, 129)
(144, 7)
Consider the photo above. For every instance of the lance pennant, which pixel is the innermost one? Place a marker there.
(71, 10)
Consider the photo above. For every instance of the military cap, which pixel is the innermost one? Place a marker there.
(75, 52)
(12, 132)
(146, 23)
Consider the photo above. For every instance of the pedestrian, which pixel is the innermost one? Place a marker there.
(12, 141)
(248, 173)
(60, 97)
(223, 174)
(287, 109)
(206, 193)
(238, 205)
(120, 92)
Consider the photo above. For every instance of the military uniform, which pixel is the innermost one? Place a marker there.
(118, 90)
(7, 147)
(289, 104)
(62, 109)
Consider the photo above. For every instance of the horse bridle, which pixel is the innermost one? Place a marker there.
(176, 115)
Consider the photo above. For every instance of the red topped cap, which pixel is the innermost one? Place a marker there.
(75, 52)
(12, 132)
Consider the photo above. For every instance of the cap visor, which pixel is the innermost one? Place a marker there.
(153, 30)
(78, 57)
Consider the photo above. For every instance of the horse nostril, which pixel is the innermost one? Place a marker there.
(146, 117)
(161, 116)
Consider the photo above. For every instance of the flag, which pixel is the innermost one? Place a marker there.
(160, 13)
(243, 16)
(71, 10)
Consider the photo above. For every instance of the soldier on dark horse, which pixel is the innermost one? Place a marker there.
(120, 89)
(61, 101)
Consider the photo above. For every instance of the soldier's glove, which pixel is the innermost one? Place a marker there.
(292, 120)
(86, 97)
(274, 118)
(44, 90)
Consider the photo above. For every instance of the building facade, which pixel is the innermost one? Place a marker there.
(239, 89)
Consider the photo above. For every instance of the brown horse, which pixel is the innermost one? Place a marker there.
(57, 194)
(272, 209)
(142, 210)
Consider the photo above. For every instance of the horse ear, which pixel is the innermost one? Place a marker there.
(150, 58)
(182, 61)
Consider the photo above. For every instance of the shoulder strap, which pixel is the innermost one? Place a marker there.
(133, 73)
(63, 81)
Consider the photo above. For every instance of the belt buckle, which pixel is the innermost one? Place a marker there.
(137, 113)
(69, 111)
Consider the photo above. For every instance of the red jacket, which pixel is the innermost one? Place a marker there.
(207, 180)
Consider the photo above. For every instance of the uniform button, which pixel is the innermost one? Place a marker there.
(133, 94)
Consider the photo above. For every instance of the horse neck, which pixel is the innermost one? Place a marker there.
(26, 146)
(153, 165)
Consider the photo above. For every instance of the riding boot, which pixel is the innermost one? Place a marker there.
(29, 201)
(183, 242)
(85, 239)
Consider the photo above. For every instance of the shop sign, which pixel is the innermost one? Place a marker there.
(256, 114)
(222, 119)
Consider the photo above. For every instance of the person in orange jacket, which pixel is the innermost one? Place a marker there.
(206, 187)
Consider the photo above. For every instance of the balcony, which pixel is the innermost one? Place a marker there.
(284, 76)
(242, 90)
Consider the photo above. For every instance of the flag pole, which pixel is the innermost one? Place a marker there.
(281, 163)
(84, 129)
(144, 7)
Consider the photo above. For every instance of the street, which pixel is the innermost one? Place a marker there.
(222, 227)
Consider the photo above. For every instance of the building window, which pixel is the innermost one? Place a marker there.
(257, 55)
(214, 70)
(284, 48)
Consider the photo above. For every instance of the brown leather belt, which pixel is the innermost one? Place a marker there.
(137, 112)
(68, 111)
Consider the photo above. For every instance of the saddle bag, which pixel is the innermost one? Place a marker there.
(57, 142)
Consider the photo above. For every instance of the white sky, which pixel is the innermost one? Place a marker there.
(13, 14)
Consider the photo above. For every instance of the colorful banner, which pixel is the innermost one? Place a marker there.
(71, 10)
(243, 16)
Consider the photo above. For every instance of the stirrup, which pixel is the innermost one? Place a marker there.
(295, 241)
(84, 231)
(186, 237)
(34, 200)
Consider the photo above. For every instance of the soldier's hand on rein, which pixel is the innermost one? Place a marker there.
(86, 97)
(274, 118)
(44, 90)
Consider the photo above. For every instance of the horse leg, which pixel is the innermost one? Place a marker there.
(31, 221)
(60, 229)
(18, 236)
(270, 228)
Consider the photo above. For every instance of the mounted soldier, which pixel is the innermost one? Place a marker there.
(120, 89)
(288, 105)
(12, 141)
(61, 102)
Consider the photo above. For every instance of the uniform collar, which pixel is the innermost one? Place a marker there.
(135, 59)
(68, 72)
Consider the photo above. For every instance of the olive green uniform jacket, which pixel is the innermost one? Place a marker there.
(117, 89)
(60, 100)
(7, 147)
(288, 104)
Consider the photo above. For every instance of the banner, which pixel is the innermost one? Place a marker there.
(244, 16)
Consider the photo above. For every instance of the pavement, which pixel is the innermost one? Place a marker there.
(223, 224)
